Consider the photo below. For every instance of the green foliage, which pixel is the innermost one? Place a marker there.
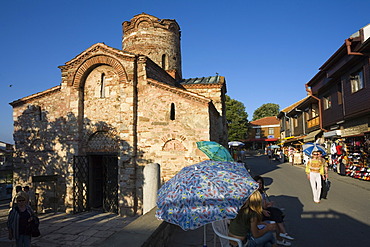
(237, 119)
(266, 110)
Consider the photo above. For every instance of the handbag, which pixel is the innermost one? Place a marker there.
(34, 226)
(325, 188)
(327, 184)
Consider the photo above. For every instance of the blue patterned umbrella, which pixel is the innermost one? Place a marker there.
(310, 147)
(205, 192)
(215, 151)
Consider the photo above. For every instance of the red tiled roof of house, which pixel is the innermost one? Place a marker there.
(266, 121)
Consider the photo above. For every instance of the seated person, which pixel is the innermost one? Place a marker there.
(248, 224)
(273, 213)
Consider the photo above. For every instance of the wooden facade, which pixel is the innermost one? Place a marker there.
(299, 119)
(343, 84)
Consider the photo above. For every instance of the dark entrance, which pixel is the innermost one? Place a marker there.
(96, 178)
(103, 183)
(96, 183)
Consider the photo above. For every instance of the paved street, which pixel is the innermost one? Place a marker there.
(341, 220)
(4, 210)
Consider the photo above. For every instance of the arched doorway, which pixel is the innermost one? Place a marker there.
(96, 175)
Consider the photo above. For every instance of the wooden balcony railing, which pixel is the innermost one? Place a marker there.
(313, 122)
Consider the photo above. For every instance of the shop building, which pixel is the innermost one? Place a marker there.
(300, 123)
(342, 87)
(263, 132)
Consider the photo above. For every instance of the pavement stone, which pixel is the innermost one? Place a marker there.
(89, 232)
(103, 234)
(83, 229)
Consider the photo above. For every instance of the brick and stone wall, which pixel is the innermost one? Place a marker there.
(117, 102)
(158, 39)
(42, 131)
(171, 143)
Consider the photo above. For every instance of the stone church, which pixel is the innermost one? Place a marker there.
(86, 143)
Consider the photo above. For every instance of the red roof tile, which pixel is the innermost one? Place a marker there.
(266, 121)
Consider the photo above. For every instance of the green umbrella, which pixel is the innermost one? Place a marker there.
(215, 151)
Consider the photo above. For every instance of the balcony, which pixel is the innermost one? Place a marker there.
(313, 122)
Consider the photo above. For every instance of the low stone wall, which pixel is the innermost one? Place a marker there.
(145, 231)
(160, 236)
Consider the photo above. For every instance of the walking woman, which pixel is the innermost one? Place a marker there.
(19, 220)
(315, 168)
(248, 224)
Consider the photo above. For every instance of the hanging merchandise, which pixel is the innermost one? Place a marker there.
(357, 154)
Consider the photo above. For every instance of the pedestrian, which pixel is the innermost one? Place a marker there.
(31, 196)
(291, 155)
(269, 153)
(248, 224)
(342, 164)
(19, 219)
(13, 203)
(281, 156)
(273, 213)
(324, 179)
(315, 169)
(242, 154)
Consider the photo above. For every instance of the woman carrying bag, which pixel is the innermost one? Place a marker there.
(315, 168)
(20, 220)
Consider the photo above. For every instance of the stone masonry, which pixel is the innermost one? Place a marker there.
(128, 104)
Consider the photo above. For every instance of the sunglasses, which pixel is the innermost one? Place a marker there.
(21, 200)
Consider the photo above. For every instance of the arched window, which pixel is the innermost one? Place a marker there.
(39, 114)
(172, 113)
(102, 86)
(164, 61)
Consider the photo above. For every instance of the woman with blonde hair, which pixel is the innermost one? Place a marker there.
(315, 168)
(273, 213)
(248, 224)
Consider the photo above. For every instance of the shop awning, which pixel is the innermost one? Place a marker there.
(261, 140)
(332, 133)
(271, 139)
(298, 139)
(311, 136)
(289, 137)
(361, 134)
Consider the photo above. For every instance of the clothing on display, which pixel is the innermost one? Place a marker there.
(350, 156)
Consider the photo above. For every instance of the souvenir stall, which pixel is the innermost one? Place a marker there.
(294, 154)
(358, 159)
(350, 156)
(336, 154)
(292, 150)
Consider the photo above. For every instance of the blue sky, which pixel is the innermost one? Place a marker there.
(267, 50)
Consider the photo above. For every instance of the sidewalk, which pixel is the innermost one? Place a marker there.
(84, 229)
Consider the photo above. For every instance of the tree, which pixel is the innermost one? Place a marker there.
(266, 110)
(237, 119)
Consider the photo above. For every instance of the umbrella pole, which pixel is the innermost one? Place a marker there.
(205, 236)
